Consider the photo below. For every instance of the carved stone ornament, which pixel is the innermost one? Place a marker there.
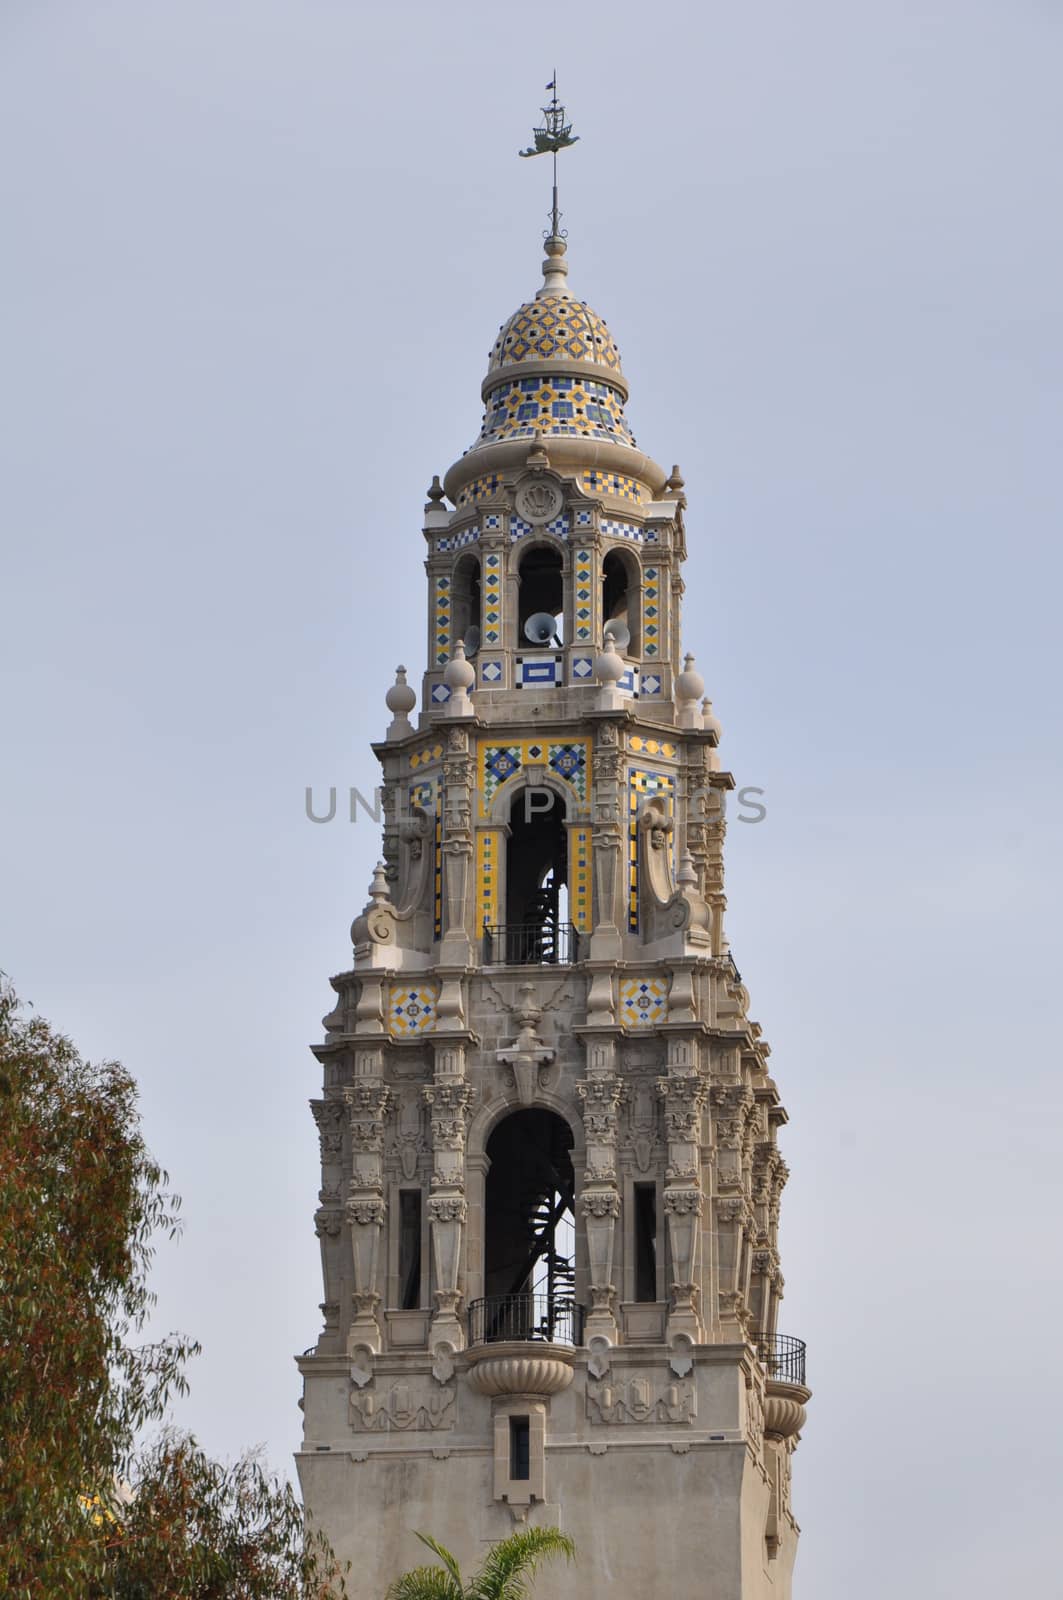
(641, 1400)
(404, 1406)
(365, 1212)
(446, 1208)
(602, 1204)
(539, 501)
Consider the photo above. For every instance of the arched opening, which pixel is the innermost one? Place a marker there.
(620, 599)
(529, 1230)
(542, 596)
(537, 880)
(465, 602)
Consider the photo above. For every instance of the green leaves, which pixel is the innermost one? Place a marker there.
(505, 1574)
(81, 1201)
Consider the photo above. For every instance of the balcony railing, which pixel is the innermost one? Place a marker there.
(783, 1357)
(530, 944)
(536, 1317)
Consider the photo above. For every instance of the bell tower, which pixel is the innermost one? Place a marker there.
(550, 1179)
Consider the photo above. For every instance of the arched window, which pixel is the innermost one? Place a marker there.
(529, 1229)
(536, 876)
(542, 593)
(465, 602)
(620, 597)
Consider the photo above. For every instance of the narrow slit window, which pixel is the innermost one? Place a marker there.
(519, 1449)
(410, 1249)
(645, 1241)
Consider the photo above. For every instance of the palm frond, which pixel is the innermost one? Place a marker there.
(445, 1556)
(509, 1566)
(425, 1583)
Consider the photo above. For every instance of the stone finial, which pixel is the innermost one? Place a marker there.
(436, 496)
(689, 688)
(400, 701)
(609, 668)
(459, 678)
(375, 925)
(674, 487)
(537, 458)
(555, 268)
(710, 721)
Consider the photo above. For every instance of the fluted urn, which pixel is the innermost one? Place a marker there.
(520, 1367)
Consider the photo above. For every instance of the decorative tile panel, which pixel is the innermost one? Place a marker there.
(498, 762)
(582, 669)
(457, 541)
(492, 598)
(651, 747)
(492, 672)
(613, 528)
(584, 593)
(651, 611)
(426, 794)
(480, 489)
(421, 758)
(411, 1010)
(643, 1002)
(641, 784)
(488, 846)
(569, 762)
(440, 694)
(492, 522)
(584, 518)
(518, 528)
(553, 405)
(442, 616)
(613, 483)
(579, 879)
(539, 670)
(651, 685)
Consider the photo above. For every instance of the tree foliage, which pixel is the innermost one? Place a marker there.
(81, 1202)
(505, 1573)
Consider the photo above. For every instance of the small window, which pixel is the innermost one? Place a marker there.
(519, 1449)
(645, 1241)
(410, 1249)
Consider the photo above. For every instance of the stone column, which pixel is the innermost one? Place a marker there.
(448, 1098)
(684, 1092)
(607, 845)
(601, 1093)
(368, 1100)
(458, 779)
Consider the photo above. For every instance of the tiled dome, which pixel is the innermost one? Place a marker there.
(555, 327)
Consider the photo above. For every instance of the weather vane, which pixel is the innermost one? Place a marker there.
(553, 136)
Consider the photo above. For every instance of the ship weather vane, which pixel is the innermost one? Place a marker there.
(554, 135)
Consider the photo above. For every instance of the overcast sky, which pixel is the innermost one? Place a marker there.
(256, 253)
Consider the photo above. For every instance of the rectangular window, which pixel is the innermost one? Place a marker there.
(519, 1449)
(409, 1249)
(645, 1241)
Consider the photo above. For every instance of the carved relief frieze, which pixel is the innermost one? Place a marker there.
(641, 1399)
(416, 1404)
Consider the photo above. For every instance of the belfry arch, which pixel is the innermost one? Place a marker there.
(529, 1227)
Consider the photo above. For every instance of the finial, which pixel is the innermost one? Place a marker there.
(400, 701)
(436, 495)
(674, 486)
(554, 135)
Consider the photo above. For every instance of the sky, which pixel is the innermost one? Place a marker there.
(257, 252)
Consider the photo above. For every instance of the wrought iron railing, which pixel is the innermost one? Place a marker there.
(536, 1317)
(530, 944)
(783, 1357)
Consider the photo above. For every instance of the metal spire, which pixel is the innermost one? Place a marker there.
(554, 135)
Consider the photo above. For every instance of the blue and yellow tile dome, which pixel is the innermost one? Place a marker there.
(555, 327)
(554, 369)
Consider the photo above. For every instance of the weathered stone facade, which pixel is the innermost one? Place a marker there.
(570, 1317)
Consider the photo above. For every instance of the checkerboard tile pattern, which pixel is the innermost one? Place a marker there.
(579, 879)
(480, 489)
(613, 483)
